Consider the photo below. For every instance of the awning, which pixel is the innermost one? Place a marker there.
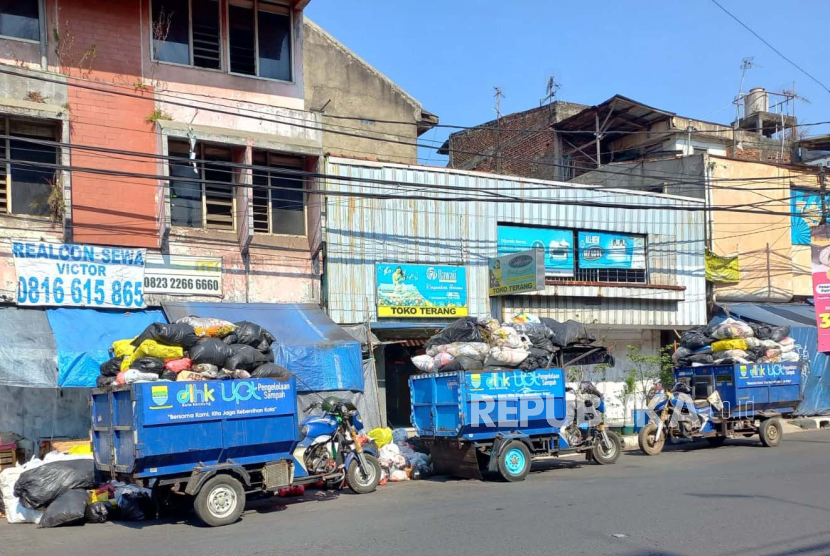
(28, 356)
(776, 314)
(84, 336)
(321, 355)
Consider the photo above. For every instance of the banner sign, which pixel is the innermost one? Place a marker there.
(557, 245)
(609, 250)
(421, 290)
(820, 254)
(517, 273)
(67, 275)
(177, 402)
(180, 274)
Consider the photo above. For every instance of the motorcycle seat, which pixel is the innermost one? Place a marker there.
(701, 404)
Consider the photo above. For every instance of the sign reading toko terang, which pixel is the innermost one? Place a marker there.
(68, 275)
(421, 290)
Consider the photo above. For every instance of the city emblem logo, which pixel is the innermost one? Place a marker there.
(159, 394)
(475, 380)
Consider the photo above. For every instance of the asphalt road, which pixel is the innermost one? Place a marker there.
(737, 500)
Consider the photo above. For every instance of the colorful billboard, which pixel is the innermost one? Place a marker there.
(420, 290)
(556, 243)
(820, 250)
(517, 273)
(605, 250)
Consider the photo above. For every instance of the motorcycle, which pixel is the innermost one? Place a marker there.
(585, 406)
(329, 448)
(679, 415)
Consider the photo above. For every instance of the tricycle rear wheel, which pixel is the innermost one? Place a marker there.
(514, 461)
(220, 501)
(771, 433)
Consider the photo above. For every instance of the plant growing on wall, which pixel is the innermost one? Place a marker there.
(54, 201)
(64, 40)
(156, 115)
(35, 96)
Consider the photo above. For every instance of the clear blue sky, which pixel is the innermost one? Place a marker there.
(683, 56)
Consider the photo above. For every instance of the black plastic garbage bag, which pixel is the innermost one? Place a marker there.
(702, 358)
(270, 370)
(695, 338)
(463, 363)
(760, 330)
(463, 330)
(538, 334)
(148, 365)
(104, 381)
(39, 487)
(168, 375)
(247, 358)
(251, 334)
(176, 334)
(111, 367)
(68, 509)
(568, 332)
(135, 506)
(778, 333)
(210, 350)
(99, 512)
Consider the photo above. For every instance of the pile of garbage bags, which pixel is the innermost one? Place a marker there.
(733, 342)
(526, 342)
(402, 458)
(61, 490)
(192, 348)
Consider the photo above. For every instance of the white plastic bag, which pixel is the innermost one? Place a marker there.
(508, 337)
(424, 363)
(506, 356)
(15, 511)
(787, 345)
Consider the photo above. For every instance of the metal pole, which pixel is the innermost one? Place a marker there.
(596, 116)
(822, 181)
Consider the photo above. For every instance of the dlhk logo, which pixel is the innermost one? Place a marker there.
(193, 393)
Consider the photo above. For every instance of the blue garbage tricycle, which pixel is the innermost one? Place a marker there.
(216, 441)
(498, 421)
(719, 402)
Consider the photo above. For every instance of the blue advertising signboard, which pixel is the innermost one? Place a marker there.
(805, 207)
(176, 402)
(557, 244)
(609, 250)
(421, 290)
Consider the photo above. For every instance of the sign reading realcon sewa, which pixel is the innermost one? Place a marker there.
(421, 290)
(517, 273)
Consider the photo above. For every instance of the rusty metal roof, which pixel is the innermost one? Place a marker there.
(627, 114)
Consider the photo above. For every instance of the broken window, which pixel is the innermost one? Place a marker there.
(260, 38)
(25, 185)
(187, 32)
(201, 192)
(20, 19)
(279, 197)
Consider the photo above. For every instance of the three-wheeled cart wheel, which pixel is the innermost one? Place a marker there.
(360, 482)
(771, 432)
(647, 442)
(514, 461)
(715, 441)
(220, 501)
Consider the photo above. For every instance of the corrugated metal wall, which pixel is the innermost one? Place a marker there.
(360, 232)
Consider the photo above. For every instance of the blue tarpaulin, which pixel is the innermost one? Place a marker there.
(801, 319)
(84, 336)
(321, 355)
(27, 349)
